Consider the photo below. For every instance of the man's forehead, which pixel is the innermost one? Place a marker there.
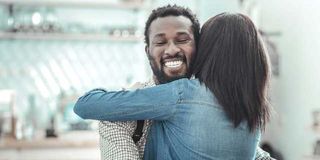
(176, 24)
(177, 33)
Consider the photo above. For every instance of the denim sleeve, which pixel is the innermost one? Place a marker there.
(157, 103)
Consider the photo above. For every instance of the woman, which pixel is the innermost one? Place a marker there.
(218, 115)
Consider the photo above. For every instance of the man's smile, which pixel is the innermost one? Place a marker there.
(173, 64)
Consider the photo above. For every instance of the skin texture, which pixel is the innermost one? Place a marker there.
(171, 48)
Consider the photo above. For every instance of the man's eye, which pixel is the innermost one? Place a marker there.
(160, 43)
(182, 40)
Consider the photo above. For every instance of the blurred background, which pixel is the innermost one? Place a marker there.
(52, 51)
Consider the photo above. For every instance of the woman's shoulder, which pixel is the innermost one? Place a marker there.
(188, 85)
(194, 90)
(193, 82)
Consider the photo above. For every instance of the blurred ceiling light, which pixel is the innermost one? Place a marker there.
(36, 18)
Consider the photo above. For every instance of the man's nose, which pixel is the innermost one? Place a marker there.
(172, 49)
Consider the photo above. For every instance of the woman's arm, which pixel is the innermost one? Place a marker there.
(156, 103)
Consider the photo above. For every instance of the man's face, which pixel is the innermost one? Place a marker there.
(171, 47)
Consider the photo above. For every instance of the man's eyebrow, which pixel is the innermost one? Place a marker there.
(159, 35)
(183, 33)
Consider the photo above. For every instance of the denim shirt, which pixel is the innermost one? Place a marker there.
(188, 121)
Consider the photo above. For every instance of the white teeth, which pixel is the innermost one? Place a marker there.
(172, 64)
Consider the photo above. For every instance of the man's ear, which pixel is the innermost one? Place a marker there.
(146, 49)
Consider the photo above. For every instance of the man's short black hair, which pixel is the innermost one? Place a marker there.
(172, 10)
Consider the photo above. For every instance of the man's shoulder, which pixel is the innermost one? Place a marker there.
(149, 83)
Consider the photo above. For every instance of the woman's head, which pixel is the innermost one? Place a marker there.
(232, 62)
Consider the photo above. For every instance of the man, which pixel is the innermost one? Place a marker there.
(171, 34)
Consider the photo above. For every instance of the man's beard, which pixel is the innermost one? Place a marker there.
(162, 77)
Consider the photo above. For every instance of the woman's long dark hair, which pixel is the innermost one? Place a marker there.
(232, 62)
